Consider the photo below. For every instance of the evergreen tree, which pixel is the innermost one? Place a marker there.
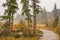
(56, 18)
(55, 23)
(12, 7)
(55, 11)
(36, 10)
(26, 11)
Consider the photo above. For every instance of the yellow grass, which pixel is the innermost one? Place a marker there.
(21, 38)
(40, 25)
(16, 25)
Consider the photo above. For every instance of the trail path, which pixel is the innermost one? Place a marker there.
(49, 35)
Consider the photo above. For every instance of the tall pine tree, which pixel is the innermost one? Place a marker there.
(12, 7)
(26, 11)
(56, 18)
(36, 9)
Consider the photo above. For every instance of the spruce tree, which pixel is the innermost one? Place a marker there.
(12, 7)
(56, 18)
(26, 11)
(36, 10)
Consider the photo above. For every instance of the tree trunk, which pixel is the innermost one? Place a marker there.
(34, 6)
(34, 30)
(28, 28)
(9, 23)
(12, 22)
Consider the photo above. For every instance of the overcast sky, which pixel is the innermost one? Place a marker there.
(48, 4)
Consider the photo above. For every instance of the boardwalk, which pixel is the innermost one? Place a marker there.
(48, 35)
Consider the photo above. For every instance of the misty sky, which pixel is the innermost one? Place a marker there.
(48, 4)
